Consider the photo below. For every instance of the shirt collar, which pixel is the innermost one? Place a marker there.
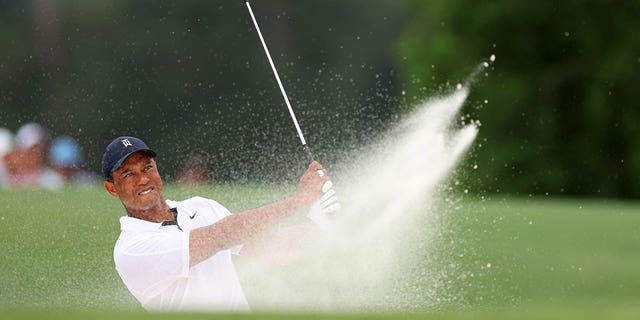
(128, 223)
(134, 224)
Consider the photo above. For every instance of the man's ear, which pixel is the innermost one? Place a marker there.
(111, 188)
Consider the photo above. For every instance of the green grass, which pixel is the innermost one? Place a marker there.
(551, 251)
(533, 258)
(554, 251)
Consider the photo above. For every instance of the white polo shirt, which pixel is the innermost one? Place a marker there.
(153, 261)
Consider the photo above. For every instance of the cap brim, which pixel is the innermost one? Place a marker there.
(124, 158)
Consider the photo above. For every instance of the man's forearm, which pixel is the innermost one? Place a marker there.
(281, 245)
(237, 228)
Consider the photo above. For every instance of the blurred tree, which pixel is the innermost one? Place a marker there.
(191, 76)
(561, 117)
(562, 113)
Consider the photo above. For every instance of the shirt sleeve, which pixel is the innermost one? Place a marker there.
(220, 211)
(149, 263)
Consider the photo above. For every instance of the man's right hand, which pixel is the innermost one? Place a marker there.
(310, 186)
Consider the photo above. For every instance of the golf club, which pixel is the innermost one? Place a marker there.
(305, 147)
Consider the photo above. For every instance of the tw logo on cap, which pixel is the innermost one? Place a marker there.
(127, 143)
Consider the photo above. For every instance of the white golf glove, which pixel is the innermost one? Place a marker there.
(324, 210)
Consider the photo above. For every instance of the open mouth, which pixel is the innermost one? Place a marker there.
(145, 191)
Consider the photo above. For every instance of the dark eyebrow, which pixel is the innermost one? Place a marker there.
(125, 171)
(128, 169)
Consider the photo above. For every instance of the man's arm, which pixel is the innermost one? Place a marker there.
(238, 228)
(281, 245)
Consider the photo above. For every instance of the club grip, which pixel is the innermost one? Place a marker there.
(307, 150)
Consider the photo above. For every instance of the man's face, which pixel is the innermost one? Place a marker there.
(137, 183)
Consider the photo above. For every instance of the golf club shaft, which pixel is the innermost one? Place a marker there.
(305, 147)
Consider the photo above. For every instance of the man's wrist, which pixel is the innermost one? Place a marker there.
(295, 202)
(300, 199)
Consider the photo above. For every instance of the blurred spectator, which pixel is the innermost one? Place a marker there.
(6, 146)
(26, 164)
(194, 171)
(65, 155)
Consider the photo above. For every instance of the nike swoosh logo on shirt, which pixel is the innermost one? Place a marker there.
(193, 216)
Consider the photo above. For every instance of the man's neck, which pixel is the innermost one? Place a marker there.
(156, 214)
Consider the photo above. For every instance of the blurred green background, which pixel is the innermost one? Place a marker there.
(558, 108)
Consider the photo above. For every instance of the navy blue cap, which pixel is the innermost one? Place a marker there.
(119, 150)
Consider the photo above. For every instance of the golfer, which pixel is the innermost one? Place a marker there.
(176, 255)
